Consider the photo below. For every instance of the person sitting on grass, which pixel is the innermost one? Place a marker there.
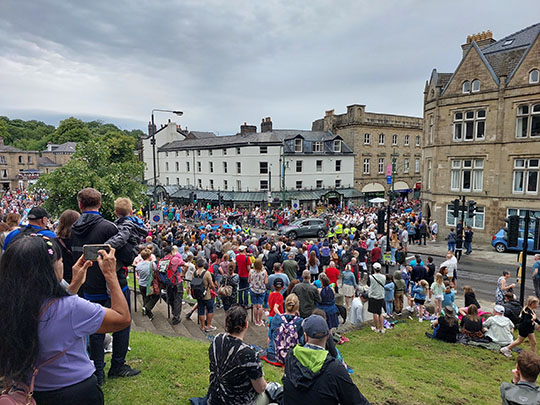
(471, 323)
(236, 374)
(446, 327)
(526, 327)
(313, 376)
(499, 328)
(523, 389)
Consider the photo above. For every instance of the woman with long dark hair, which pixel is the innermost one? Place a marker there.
(42, 321)
(63, 232)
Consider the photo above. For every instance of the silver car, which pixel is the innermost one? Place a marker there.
(305, 227)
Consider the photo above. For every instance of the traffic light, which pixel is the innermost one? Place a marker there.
(380, 222)
(471, 208)
(220, 199)
(455, 207)
(512, 230)
(190, 196)
(195, 198)
(536, 243)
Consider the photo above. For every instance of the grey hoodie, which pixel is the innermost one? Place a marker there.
(398, 282)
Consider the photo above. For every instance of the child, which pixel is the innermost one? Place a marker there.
(399, 292)
(419, 293)
(189, 271)
(449, 294)
(437, 290)
(470, 299)
(275, 300)
(526, 327)
(131, 232)
(389, 294)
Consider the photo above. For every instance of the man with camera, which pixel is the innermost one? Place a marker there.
(92, 229)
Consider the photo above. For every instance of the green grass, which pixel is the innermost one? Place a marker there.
(401, 367)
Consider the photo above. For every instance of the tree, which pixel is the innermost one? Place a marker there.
(71, 130)
(98, 163)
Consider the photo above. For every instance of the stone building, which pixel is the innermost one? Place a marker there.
(375, 138)
(18, 168)
(482, 131)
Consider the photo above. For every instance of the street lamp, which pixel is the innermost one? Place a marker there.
(153, 142)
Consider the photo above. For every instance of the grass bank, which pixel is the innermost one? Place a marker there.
(400, 367)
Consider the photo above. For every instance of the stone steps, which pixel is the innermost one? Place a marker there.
(190, 328)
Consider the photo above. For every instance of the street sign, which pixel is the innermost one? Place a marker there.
(389, 179)
(156, 217)
(389, 170)
(295, 204)
(387, 257)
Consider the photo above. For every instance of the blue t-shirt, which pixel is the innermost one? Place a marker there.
(39, 231)
(536, 266)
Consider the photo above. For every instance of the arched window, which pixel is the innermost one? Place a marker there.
(534, 76)
(476, 85)
(466, 87)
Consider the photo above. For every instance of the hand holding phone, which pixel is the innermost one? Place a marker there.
(90, 252)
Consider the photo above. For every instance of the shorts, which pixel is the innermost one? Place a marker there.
(375, 306)
(257, 298)
(525, 330)
(419, 301)
(438, 297)
(205, 304)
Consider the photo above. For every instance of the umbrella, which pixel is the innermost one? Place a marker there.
(377, 200)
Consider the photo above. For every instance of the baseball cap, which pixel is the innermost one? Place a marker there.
(376, 265)
(315, 327)
(499, 309)
(278, 282)
(38, 213)
(241, 248)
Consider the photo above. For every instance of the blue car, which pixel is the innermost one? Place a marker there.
(500, 242)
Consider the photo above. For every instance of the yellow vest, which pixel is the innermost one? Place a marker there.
(339, 229)
(346, 231)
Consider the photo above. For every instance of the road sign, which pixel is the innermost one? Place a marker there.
(389, 170)
(156, 217)
(387, 257)
(295, 204)
(388, 179)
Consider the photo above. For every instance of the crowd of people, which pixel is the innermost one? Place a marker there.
(298, 290)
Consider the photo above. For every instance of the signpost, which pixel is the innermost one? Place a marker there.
(156, 217)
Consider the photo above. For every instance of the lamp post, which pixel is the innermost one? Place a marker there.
(153, 142)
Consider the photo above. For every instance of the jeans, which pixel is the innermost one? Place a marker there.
(452, 246)
(120, 343)
(175, 293)
(536, 282)
(393, 253)
(243, 294)
(468, 248)
(149, 301)
(389, 307)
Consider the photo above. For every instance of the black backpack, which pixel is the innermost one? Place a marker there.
(198, 290)
(27, 230)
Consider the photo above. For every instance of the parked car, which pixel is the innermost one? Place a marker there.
(500, 243)
(305, 227)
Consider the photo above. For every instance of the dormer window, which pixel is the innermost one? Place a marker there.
(337, 146)
(466, 88)
(508, 42)
(298, 144)
(534, 76)
(317, 147)
(475, 86)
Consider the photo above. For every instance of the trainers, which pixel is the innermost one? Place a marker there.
(506, 352)
(382, 330)
(210, 328)
(144, 311)
(175, 321)
(124, 371)
(420, 319)
(374, 329)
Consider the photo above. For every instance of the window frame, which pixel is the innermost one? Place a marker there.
(468, 125)
(299, 165)
(407, 140)
(337, 142)
(318, 166)
(338, 165)
(367, 138)
(531, 118)
(298, 185)
(381, 139)
(366, 166)
(318, 184)
(380, 166)
(527, 170)
(261, 182)
(298, 145)
(263, 149)
(478, 219)
(395, 139)
(475, 89)
(238, 167)
(531, 81)
(261, 167)
(337, 183)
(467, 170)
(466, 87)
(318, 147)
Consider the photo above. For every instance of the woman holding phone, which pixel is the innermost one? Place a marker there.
(44, 327)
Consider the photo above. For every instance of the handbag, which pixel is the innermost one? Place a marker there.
(22, 394)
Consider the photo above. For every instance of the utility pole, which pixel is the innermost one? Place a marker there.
(524, 260)
(391, 195)
(283, 191)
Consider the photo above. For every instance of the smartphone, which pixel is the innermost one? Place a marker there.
(90, 252)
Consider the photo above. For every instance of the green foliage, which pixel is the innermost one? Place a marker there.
(108, 164)
(27, 135)
(71, 130)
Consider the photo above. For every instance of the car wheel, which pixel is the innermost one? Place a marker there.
(321, 234)
(292, 235)
(499, 247)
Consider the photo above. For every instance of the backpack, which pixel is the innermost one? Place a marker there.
(198, 290)
(517, 394)
(286, 337)
(26, 230)
(226, 289)
(163, 266)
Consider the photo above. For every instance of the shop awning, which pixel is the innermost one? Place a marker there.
(373, 188)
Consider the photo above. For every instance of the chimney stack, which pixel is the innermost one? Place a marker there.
(266, 125)
(482, 39)
(248, 129)
(150, 132)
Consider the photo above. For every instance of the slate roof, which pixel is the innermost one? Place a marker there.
(275, 137)
(202, 134)
(68, 147)
(501, 59)
(45, 161)
(8, 148)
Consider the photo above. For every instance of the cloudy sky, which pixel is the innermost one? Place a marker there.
(226, 62)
